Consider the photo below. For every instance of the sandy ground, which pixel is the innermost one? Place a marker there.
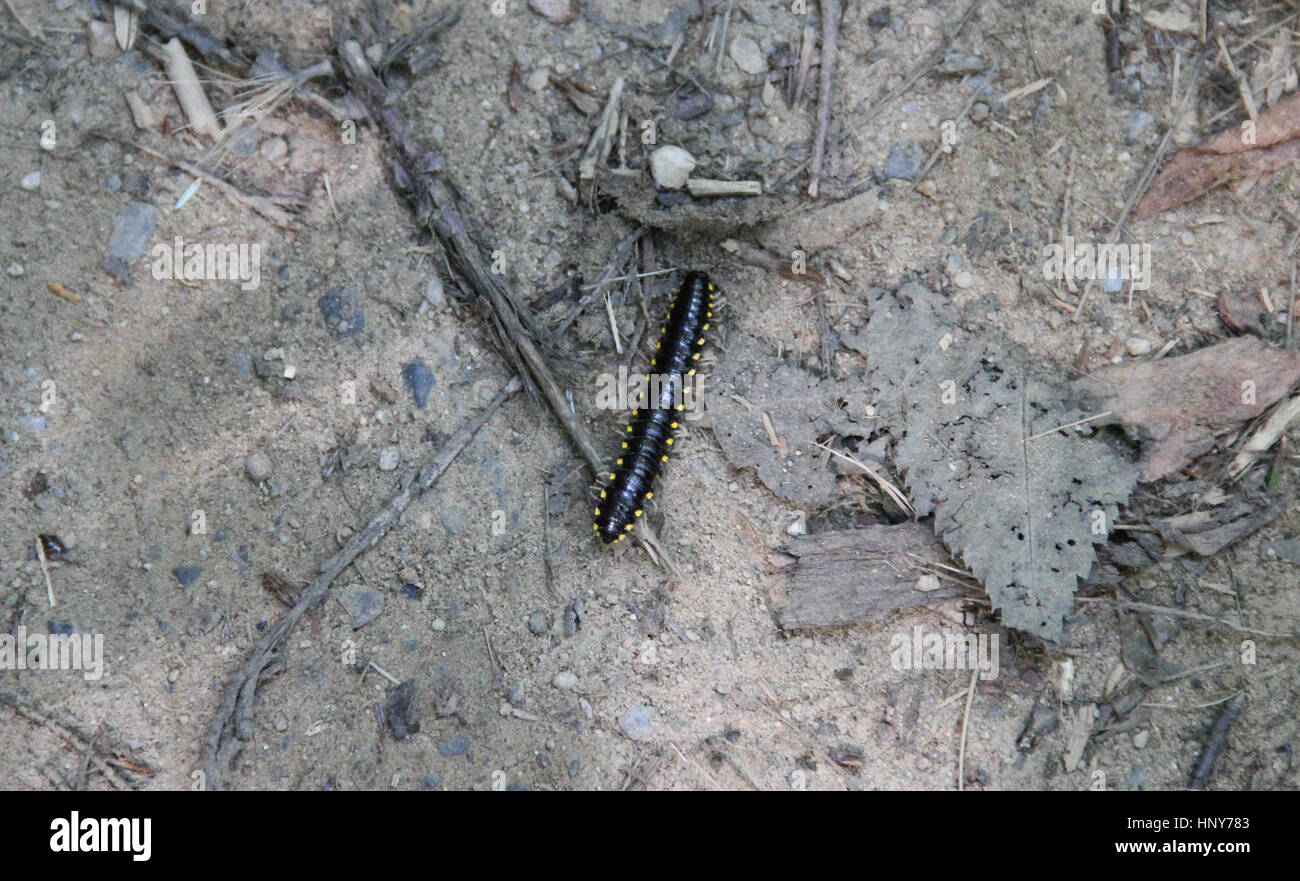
(159, 398)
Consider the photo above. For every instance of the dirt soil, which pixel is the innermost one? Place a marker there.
(129, 416)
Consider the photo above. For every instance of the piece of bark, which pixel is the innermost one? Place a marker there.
(1239, 312)
(1230, 155)
(1180, 406)
(1207, 542)
(831, 579)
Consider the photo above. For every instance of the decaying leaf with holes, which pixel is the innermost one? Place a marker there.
(975, 433)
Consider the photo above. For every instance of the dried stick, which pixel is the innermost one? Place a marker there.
(92, 746)
(188, 91)
(1144, 180)
(830, 42)
(1171, 612)
(436, 203)
(1218, 737)
(261, 204)
(223, 741)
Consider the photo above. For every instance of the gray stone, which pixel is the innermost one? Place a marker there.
(363, 605)
(133, 229)
(341, 309)
(905, 158)
(635, 722)
(419, 379)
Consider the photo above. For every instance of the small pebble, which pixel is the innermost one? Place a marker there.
(538, 79)
(963, 279)
(747, 55)
(258, 465)
(389, 458)
(133, 232)
(904, 160)
(565, 680)
(439, 624)
(31, 180)
(671, 166)
(434, 294)
(1138, 122)
(635, 722)
(186, 575)
(274, 149)
(102, 39)
(15, 269)
(457, 746)
(1137, 346)
(557, 11)
(419, 381)
(363, 605)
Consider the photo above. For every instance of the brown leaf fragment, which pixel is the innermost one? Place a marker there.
(515, 90)
(1239, 312)
(1180, 406)
(1236, 153)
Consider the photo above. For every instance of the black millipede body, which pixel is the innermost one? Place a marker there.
(648, 438)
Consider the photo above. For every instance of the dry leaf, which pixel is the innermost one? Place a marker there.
(1020, 503)
(1180, 406)
(1231, 155)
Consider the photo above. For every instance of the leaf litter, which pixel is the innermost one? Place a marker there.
(980, 440)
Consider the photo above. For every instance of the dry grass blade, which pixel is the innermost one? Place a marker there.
(894, 493)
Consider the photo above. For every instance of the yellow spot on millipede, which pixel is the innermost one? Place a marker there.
(674, 425)
(619, 462)
(598, 512)
(602, 494)
(664, 459)
(625, 445)
(670, 442)
(706, 326)
(649, 495)
(637, 513)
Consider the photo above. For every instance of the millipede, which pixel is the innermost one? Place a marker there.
(649, 436)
